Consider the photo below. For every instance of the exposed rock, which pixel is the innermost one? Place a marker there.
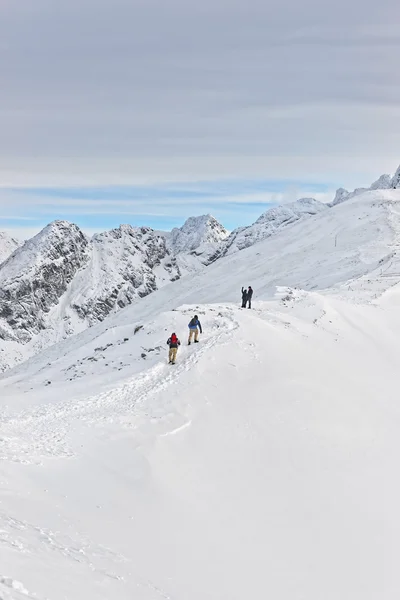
(195, 243)
(36, 275)
(125, 264)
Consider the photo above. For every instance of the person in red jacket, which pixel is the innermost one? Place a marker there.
(173, 344)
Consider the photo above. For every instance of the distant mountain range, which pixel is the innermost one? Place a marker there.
(61, 281)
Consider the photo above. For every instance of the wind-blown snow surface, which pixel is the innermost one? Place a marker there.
(262, 465)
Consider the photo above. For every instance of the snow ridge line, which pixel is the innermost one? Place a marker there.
(42, 432)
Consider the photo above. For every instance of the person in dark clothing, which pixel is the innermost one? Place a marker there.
(173, 344)
(244, 297)
(194, 327)
(249, 296)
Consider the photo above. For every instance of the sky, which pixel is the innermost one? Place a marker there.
(150, 111)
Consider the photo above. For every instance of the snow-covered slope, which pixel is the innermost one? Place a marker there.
(269, 223)
(202, 240)
(268, 449)
(353, 246)
(7, 246)
(60, 282)
(259, 466)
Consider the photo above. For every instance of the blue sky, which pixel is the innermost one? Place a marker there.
(161, 206)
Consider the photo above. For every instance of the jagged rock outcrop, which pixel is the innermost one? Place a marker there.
(64, 281)
(196, 233)
(126, 263)
(36, 275)
(196, 242)
(60, 280)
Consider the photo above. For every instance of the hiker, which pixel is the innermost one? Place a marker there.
(173, 344)
(249, 296)
(194, 327)
(244, 297)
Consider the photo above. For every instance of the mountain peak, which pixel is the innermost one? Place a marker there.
(59, 227)
(196, 232)
(203, 221)
(383, 183)
(341, 196)
(35, 276)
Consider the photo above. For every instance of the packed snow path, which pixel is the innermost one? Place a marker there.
(41, 431)
(260, 465)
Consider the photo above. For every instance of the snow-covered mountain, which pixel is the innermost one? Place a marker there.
(61, 282)
(36, 275)
(7, 246)
(196, 234)
(125, 264)
(269, 223)
(196, 242)
(384, 182)
(269, 448)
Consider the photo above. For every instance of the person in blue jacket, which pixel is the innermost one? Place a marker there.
(194, 327)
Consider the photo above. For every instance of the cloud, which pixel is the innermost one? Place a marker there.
(234, 202)
(158, 200)
(105, 92)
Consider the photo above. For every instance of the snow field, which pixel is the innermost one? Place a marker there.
(261, 464)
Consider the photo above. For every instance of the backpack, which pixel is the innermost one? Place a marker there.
(174, 339)
(193, 322)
